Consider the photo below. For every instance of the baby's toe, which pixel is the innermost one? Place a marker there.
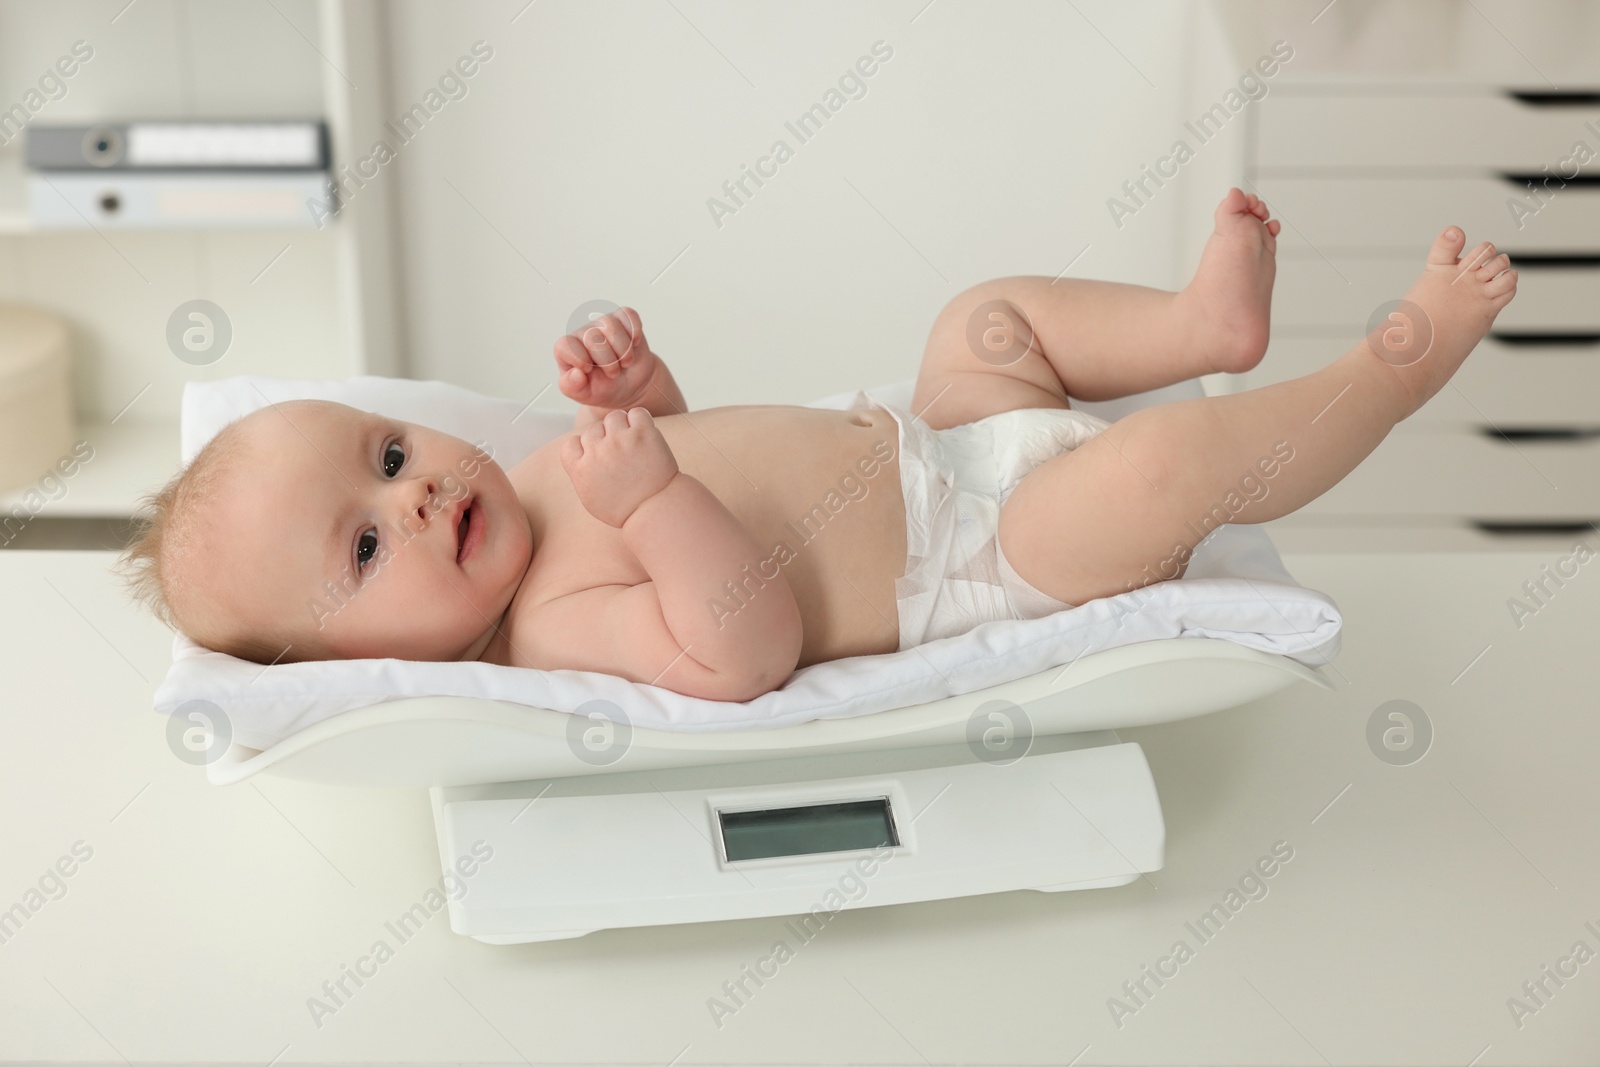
(1481, 253)
(1232, 204)
(1446, 247)
(1499, 263)
(1501, 285)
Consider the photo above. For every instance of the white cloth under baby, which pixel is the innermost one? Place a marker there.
(1236, 588)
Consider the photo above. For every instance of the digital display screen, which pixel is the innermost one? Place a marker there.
(844, 826)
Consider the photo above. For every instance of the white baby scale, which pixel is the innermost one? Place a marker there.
(589, 823)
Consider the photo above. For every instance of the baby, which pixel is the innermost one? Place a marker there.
(714, 552)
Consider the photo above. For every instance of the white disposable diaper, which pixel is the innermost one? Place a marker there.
(954, 481)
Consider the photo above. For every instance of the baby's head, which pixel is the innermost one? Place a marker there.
(333, 533)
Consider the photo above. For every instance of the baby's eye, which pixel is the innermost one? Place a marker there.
(394, 457)
(366, 547)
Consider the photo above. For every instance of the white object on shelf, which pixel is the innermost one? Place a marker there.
(128, 200)
(238, 144)
(35, 397)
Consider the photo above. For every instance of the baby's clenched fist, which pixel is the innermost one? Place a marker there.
(607, 363)
(618, 463)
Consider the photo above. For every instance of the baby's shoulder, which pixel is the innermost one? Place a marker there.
(541, 482)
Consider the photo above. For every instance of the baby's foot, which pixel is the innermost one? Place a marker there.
(1230, 298)
(1459, 298)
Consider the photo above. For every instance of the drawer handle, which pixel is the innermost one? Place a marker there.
(1513, 528)
(1513, 434)
(1523, 179)
(1559, 98)
(1545, 338)
(1553, 259)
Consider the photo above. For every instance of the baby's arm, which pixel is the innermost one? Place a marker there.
(664, 632)
(608, 365)
(692, 546)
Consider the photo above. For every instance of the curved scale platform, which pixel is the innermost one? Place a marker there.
(439, 741)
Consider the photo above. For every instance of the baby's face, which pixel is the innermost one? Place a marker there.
(363, 535)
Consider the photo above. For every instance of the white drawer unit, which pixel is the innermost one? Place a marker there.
(1522, 475)
(1546, 381)
(1333, 130)
(1364, 178)
(1342, 292)
(1399, 215)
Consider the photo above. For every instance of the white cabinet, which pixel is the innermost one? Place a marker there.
(1364, 176)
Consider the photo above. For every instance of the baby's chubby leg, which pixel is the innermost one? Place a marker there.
(1126, 508)
(1025, 340)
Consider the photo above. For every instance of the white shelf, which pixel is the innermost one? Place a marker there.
(130, 458)
(88, 282)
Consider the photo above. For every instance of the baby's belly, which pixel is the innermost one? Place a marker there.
(819, 491)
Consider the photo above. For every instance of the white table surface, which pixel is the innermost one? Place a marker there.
(1419, 898)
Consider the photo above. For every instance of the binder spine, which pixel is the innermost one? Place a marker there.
(179, 147)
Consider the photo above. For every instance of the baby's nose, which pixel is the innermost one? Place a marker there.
(424, 511)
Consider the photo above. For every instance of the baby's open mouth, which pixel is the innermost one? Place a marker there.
(463, 531)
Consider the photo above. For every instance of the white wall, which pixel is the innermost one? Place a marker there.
(588, 145)
(585, 150)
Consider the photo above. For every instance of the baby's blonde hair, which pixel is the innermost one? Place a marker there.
(167, 530)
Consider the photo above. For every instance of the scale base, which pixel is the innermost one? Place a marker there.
(555, 859)
(565, 935)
